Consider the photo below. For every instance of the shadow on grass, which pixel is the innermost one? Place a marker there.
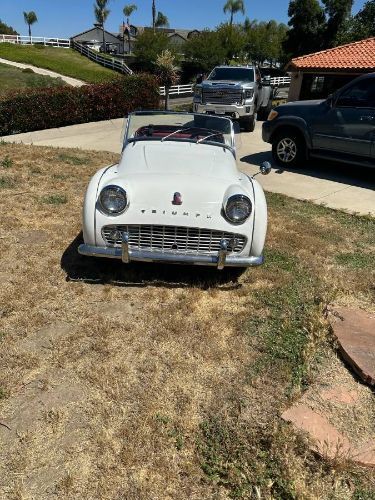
(104, 271)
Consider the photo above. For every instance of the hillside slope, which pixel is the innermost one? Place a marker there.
(64, 61)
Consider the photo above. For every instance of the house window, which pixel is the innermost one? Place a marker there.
(317, 85)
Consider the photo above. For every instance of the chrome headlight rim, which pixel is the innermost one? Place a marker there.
(118, 189)
(238, 198)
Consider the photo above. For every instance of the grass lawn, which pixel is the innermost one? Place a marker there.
(167, 382)
(64, 61)
(14, 79)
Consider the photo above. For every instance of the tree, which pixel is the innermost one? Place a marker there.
(359, 27)
(306, 22)
(128, 11)
(30, 18)
(101, 14)
(148, 46)
(166, 72)
(264, 41)
(205, 51)
(161, 20)
(234, 6)
(233, 41)
(7, 30)
(338, 12)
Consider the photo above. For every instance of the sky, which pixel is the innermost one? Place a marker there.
(65, 18)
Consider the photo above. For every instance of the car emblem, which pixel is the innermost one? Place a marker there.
(221, 92)
(177, 199)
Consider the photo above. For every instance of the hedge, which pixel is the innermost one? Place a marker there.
(39, 109)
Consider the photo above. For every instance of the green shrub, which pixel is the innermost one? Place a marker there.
(57, 107)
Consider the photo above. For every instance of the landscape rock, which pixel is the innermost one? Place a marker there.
(326, 440)
(355, 333)
(339, 394)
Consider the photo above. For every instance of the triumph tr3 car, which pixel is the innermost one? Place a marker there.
(176, 196)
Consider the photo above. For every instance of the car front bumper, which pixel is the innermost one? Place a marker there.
(232, 110)
(220, 260)
(267, 130)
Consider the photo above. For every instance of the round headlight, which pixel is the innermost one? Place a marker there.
(113, 200)
(238, 209)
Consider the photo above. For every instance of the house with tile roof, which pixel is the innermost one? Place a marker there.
(317, 75)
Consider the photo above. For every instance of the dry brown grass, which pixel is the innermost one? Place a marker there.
(154, 382)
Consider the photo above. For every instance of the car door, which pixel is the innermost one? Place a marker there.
(348, 125)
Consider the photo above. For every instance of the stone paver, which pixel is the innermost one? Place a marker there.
(341, 395)
(355, 332)
(326, 440)
(45, 72)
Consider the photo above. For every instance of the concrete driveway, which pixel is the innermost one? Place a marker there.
(335, 185)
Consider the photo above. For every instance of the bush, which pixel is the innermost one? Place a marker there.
(61, 106)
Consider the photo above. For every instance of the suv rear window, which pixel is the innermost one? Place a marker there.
(236, 74)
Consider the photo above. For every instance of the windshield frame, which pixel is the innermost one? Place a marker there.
(126, 140)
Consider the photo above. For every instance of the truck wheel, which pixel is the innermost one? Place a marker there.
(249, 122)
(288, 149)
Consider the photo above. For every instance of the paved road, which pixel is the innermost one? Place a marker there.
(45, 72)
(335, 185)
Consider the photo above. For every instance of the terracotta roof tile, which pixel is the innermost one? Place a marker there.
(357, 55)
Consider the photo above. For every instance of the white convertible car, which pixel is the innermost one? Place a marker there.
(176, 196)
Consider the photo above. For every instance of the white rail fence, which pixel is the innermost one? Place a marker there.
(35, 40)
(189, 89)
(178, 89)
(279, 81)
(107, 62)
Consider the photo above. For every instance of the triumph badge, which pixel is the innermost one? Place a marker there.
(177, 199)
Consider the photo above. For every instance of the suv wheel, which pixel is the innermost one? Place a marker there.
(288, 149)
(249, 122)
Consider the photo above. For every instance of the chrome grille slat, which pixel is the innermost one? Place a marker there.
(165, 238)
(222, 96)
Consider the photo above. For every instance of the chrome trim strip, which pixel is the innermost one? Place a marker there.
(147, 256)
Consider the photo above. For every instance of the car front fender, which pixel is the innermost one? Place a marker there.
(89, 207)
(260, 220)
(289, 122)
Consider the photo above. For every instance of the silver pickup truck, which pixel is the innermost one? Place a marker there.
(235, 91)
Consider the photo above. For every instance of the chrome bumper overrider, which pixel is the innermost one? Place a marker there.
(221, 260)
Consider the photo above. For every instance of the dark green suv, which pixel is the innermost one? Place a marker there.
(341, 128)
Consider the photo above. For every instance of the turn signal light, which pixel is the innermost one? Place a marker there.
(273, 114)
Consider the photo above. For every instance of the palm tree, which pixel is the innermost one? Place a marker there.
(128, 11)
(161, 20)
(234, 6)
(153, 15)
(30, 18)
(101, 14)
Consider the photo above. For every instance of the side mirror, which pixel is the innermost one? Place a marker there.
(265, 168)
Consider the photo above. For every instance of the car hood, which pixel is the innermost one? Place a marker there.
(151, 172)
(227, 83)
(175, 158)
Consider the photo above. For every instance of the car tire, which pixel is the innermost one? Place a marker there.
(249, 123)
(288, 149)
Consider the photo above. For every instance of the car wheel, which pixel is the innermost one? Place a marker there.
(249, 123)
(288, 149)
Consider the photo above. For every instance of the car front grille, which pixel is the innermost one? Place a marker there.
(185, 240)
(217, 96)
